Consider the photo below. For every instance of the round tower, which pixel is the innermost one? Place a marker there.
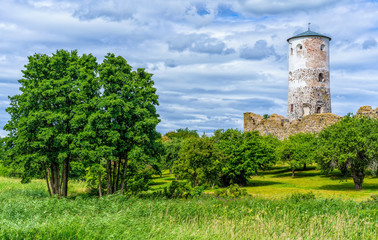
(309, 82)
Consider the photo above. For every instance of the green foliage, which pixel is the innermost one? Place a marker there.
(55, 94)
(232, 191)
(199, 161)
(182, 134)
(350, 145)
(266, 116)
(245, 154)
(72, 109)
(298, 150)
(299, 197)
(181, 190)
(171, 152)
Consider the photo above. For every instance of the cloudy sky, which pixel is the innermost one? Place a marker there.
(212, 60)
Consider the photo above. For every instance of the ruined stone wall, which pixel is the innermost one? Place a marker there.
(282, 128)
(309, 79)
(368, 111)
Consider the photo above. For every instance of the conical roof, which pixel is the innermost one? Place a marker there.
(309, 33)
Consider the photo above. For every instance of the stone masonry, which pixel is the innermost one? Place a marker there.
(309, 79)
(282, 128)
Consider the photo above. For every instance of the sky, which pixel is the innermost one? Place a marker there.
(211, 60)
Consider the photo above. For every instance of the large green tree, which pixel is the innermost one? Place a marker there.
(72, 109)
(350, 145)
(55, 90)
(123, 128)
(200, 161)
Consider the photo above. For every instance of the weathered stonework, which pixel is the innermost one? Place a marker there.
(368, 111)
(282, 128)
(309, 78)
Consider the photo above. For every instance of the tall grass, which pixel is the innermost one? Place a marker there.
(26, 212)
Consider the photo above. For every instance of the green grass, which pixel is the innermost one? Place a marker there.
(278, 209)
(278, 183)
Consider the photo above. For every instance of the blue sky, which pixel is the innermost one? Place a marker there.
(212, 60)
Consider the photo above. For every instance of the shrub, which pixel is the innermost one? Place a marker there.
(298, 197)
(181, 190)
(232, 191)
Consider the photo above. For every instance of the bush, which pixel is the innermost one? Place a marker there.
(232, 191)
(181, 190)
(298, 197)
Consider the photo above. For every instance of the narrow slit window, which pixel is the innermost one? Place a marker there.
(321, 77)
(291, 107)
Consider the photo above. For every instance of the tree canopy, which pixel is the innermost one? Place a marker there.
(73, 109)
(350, 145)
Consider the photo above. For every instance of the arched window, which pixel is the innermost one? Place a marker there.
(299, 47)
(321, 77)
(322, 47)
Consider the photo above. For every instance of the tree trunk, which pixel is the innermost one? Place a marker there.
(304, 166)
(47, 181)
(292, 172)
(55, 178)
(51, 180)
(66, 168)
(358, 178)
(114, 188)
(108, 190)
(123, 185)
(99, 184)
(118, 172)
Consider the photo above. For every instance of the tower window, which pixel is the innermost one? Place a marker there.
(322, 47)
(321, 77)
(291, 51)
(299, 47)
(291, 108)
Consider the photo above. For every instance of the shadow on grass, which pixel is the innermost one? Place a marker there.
(345, 186)
(157, 183)
(258, 183)
(283, 171)
(299, 174)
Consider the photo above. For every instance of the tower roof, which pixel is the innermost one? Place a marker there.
(309, 33)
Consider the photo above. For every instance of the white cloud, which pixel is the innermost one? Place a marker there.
(200, 52)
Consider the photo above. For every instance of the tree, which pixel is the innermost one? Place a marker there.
(200, 161)
(123, 128)
(55, 91)
(244, 154)
(66, 113)
(172, 142)
(350, 145)
(171, 153)
(182, 134)
(298, 150)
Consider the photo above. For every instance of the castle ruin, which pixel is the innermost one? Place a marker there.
(309, 97)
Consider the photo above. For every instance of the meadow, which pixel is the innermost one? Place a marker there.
(308, 206)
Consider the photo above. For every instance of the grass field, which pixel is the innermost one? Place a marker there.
(278, 182)
(273, 212)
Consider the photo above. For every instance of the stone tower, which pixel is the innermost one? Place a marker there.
(309, 82)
